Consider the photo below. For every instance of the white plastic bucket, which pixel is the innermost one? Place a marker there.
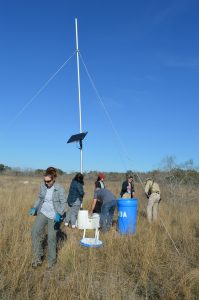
(84, 221)
(94, 221)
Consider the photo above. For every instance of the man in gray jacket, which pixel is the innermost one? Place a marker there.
(49, 208)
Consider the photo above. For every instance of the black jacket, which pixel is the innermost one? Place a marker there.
(124, 188)
(76, 191)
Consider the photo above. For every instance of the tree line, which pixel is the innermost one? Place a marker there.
(169, 172)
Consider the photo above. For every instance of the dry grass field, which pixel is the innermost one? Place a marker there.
(144, 266)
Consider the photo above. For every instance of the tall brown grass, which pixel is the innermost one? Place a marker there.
(144, 266)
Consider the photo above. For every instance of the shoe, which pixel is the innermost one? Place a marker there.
(73, 226)
(36, 263)
(66, 224)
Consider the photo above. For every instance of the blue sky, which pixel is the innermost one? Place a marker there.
(143, 58)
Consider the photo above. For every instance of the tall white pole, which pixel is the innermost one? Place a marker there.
(79, 96)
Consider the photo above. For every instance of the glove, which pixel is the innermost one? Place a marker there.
(32, 211)
(57, 221)
(57, 218)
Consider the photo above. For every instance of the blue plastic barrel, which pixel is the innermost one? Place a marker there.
(127, 215)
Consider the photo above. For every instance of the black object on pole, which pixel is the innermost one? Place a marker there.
(77, 138)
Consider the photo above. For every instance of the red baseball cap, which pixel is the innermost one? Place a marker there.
(101, 175)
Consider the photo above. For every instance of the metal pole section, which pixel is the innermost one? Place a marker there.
(79, 95)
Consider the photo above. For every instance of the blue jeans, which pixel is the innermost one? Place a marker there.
(106, 216)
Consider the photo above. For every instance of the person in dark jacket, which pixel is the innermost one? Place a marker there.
(74, 200)
(128, 190)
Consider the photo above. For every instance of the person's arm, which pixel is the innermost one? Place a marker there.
(80, 190)
(62, 200)
(132, 190)
(92, 206)
(95, 199)
(147, 188)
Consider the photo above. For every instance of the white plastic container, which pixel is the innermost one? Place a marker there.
(84, 221)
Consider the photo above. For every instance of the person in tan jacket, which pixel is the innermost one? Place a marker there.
(152, 191)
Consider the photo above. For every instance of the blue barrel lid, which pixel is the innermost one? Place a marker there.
(127, 202)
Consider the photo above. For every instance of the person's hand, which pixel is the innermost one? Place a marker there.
(32, 211)
(58, 218)
(90, 212)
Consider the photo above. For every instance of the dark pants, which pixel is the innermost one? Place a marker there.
(106, 216)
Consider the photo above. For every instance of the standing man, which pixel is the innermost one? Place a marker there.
(152, 191)
(109, 203)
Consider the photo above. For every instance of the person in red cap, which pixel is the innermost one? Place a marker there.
(100, 181)
(99, 184)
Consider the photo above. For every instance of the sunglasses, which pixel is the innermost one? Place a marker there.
(47, 181)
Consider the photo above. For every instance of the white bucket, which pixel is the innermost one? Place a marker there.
(94, 221)
(84, 221)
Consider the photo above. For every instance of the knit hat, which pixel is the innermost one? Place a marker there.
(101, 176)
